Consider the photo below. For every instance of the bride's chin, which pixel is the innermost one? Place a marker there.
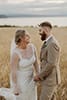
(28, 42)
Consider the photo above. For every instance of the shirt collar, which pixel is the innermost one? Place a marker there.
(48, 38)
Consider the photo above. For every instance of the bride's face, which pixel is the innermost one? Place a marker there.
(26, 39)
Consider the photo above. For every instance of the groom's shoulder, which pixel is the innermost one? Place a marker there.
(55, 44)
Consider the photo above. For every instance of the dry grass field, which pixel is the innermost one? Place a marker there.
(6, 35)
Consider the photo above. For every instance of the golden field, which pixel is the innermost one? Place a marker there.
(6, 35)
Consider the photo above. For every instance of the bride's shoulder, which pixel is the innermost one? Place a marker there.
(32, 46)
(15, 52)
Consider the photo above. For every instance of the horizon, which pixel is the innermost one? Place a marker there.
(33, 21)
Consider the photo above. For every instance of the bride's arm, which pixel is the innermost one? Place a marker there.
(13, 68)
(36, 65)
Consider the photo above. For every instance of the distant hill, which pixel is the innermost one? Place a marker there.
(29, 15)
(35, 15)
(3, 16)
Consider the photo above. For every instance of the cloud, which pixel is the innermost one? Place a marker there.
(51, 1)
(41, 1)
(35, 7)
(19, 1)
(3, 1)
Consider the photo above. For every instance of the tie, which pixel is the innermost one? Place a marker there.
(44, 45)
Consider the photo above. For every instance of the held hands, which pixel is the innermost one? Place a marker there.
(36, 78)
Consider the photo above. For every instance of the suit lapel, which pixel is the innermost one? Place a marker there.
(50, 39)
(43, 49)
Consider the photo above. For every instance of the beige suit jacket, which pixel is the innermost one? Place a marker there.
(49, 58)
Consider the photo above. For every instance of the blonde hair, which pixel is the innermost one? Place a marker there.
(19, 34)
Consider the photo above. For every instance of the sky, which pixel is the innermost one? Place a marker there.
(21, 1)
(38, 7)
(15, 1)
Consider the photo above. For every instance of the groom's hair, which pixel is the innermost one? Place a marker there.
(43, 24)
(19, 34)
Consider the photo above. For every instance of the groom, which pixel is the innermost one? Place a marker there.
(49, 62)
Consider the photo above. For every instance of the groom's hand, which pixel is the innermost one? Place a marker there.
(36, 78)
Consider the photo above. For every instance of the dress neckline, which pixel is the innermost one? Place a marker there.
(22, 50)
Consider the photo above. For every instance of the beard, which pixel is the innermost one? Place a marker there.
(43, 36)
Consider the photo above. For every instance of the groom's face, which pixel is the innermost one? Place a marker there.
(43, 33)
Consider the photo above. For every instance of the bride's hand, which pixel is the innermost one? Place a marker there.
(17, 91)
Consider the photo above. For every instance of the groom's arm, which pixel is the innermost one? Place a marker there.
(52, 59)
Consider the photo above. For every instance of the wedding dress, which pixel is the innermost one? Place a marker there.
(25, 76)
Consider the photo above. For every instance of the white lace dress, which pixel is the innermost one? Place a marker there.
(25, 75)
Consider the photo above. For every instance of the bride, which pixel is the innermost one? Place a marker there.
(23, 63)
